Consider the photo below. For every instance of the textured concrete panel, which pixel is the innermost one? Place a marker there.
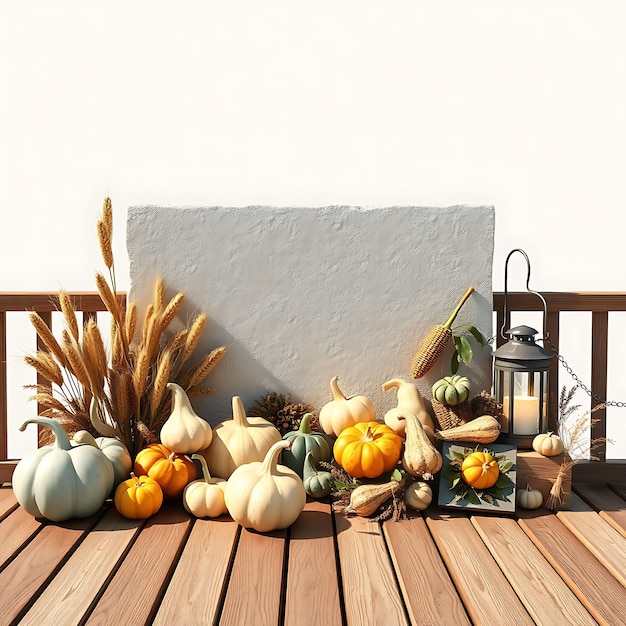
(299, 295)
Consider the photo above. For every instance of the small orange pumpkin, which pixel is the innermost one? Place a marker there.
(368, 449)
(171, 470)
(480, 470)
(139, 497)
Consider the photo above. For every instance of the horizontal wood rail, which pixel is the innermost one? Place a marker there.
(599, 304)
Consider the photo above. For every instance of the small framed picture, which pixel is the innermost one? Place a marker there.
(478, 476)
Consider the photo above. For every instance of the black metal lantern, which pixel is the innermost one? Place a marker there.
(521, 378)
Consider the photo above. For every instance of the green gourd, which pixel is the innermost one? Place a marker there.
(61, 481)
(451, 390)
(303, 441)
(317, 484)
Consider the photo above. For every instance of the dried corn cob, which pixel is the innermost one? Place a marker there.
(435, 342)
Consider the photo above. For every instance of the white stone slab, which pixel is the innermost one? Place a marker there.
(299, 295)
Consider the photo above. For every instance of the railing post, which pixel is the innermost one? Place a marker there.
(552, 323)
(599, 362)
(4, 434)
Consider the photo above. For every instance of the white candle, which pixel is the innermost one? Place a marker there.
(526, 418)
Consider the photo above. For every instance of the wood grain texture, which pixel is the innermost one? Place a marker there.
(67, 598)
(608, 545)
(487, 595)
(540, 472)
(254, 588)
(610, 506)
(312, 559)
(16, 530)
(201, 574)
(8, 501)
(371, 593)
(544, 594)
(428, 592)
(137, 585)
(597, 589)
(23, 579)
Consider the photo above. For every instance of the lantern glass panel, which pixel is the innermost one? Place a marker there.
(526, 415)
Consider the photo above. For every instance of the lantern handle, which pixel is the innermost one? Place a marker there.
(528, 289)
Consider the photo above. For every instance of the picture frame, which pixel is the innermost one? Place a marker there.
(456, 492)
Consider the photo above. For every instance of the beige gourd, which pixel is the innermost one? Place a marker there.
(184, 431)
(239, 440)
(341, 412)
(484, 429)
(409, 401)
(420, 458)
(418, 495)
(263, 495)
(366, 499)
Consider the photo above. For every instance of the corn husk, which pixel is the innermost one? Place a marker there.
(435, 342)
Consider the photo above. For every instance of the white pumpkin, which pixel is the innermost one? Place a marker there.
(529, 498)
(205, 497)
(239, 440)
(184, 431)
(341, 412)
(548, 444)
(61, 481)
(263, 495)
(113, 449)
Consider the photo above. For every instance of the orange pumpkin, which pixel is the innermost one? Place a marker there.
(139, 497)
(171, 470)
(368, 449)
(480, 470)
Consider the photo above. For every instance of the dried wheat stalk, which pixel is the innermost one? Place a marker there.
(46, 367)
(69, 314)
(206, 366)
(120, 392)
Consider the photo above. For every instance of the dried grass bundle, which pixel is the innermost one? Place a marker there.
(577, 443)
(119, 391)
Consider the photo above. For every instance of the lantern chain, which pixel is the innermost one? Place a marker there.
(579, 383)
(570, 371)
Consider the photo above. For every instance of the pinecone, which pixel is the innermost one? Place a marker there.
(280, 411)
(486, 404)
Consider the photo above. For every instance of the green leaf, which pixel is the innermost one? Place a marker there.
(504, 482)
(396, 475)
(480, 339)
(465, 350)
(454, 363)
(505, 466)
(458, 456)
(472, 497)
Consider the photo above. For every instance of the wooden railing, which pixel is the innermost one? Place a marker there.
(598, 304)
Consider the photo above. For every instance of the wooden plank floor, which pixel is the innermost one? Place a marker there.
(439, 567)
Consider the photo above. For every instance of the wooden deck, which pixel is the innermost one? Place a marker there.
(439, 567)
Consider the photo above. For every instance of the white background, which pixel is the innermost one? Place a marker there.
(520, 105)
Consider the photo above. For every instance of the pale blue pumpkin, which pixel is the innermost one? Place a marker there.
(61, 481)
